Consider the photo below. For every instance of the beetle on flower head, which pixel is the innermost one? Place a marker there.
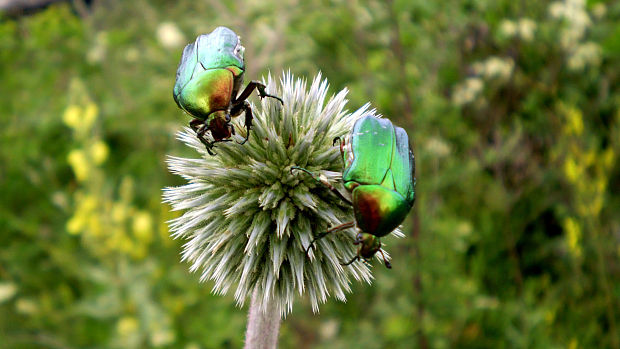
(379, 172)
(207, 86)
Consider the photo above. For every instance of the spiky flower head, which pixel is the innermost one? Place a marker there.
(247, 218)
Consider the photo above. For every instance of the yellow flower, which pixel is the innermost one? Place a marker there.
(99, 152)
(572, 171)
(573, 236)
(142, 226)
(79, 163)
(71, 117)
(75, 225)
(127, 326)
(574, 121)
(90, 115)
(95, 226)
(80, 119)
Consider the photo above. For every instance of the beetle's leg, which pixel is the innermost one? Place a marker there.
(331, 230)
(248, 120)
(196, 125)
(324, 182)
(200, 128)
(238, 107)
(351, 261)
(262, 93)
(341, 142)
(387, 264)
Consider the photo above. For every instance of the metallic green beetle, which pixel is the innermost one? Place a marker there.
(379, 173)
(208, 80)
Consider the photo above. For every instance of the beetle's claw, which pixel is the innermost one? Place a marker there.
(210, 152)
(245, 140)
(272, 96)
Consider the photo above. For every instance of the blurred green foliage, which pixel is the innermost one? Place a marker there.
(514, 109)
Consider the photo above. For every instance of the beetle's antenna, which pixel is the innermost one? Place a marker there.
(318, 237)
(387, 264)
(303, 169)
(324, 182)
(331, 230)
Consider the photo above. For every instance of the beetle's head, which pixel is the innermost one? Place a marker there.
(370, 245)
(219, 125)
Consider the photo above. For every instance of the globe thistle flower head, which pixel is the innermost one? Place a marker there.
(247, 219)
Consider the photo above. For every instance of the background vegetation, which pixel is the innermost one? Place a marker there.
(514, 108)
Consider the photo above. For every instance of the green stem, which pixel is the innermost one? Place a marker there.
(263, 327)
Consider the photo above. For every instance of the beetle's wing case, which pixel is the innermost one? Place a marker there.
(371, 141)
(403, 166)
(185, 71)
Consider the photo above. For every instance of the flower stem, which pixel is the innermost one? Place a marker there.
(263, 327)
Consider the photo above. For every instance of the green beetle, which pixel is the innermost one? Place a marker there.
(208, 81)
(379, 173)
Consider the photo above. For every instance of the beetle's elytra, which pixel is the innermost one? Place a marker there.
(207, 86)
(379, 174)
